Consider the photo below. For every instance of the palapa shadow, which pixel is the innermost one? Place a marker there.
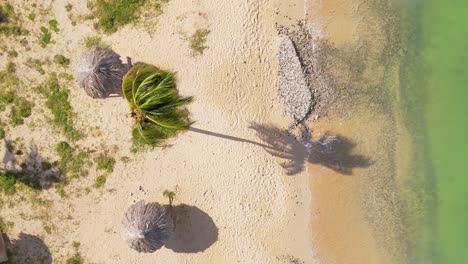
(28, 249)
(194, 231)
(334, 152)
(35, 171)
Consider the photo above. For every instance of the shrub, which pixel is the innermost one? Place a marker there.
(77, 259)
(7, 182)
(53, 24)
(45, 37)
(61, 60)
(100, 181)
(155, 104)
(20, 110)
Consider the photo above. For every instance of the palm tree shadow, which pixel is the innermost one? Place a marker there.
(284, 146)
(334, 152)
(194, 231)
(28, 249)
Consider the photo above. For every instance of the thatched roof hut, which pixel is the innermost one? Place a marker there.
(146, 228)
(100, 72)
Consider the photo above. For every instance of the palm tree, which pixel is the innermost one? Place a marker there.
(154, 104)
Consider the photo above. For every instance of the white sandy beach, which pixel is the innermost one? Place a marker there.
(240, 207)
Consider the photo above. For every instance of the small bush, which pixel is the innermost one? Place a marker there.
(32, 16)
(20, 110)
(100, 181)
(45, 38)
(53, 24)
(61, 60)
(8, 182)
(197, 41)
(12, 54)
(105, 162)
(2, 133)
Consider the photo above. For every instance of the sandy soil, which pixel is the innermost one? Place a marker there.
(236, 203)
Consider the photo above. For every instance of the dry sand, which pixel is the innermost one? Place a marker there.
(235, 201)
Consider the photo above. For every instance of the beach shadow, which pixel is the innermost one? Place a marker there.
(194, 231)
(28, 249)
(334, 152)
(34, 170)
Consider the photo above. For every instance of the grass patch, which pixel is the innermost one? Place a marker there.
(61, 60)
(60, 107)
(5, 226)
(2, 133)
(105, 162)
(197, 41)
(94, 41)
(20, 110)
(100, 181)
(32, 16)
(8, 182)
(12, 54)
(53, 24)
(72, 162)
(77, 259)
(36, 64)
(45, 37)
(9, 22)
(114, 14)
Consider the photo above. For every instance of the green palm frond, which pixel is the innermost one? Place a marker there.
(155, 104)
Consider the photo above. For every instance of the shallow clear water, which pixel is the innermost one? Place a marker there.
(434, 90)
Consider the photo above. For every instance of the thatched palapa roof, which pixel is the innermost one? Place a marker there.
(100, 72)
(146, 228)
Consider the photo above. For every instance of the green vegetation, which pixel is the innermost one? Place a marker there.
(61, 60)
(2, 133)
(77, 259)
(114, 14)
(197, 41)
(100, 181)
(45, 37)
(36, 64)
(105, 162)
(12, 54)
(20, 110)
(76, 245)
(21, 107)
(8, 182)
(170, 195)
(94, 41)
(9, 21)
(154, 103)
(53, 24)
(5, 226)
(32, 16)
(60, 107)
(71, 161)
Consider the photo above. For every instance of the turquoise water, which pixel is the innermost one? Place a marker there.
(434, 89)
